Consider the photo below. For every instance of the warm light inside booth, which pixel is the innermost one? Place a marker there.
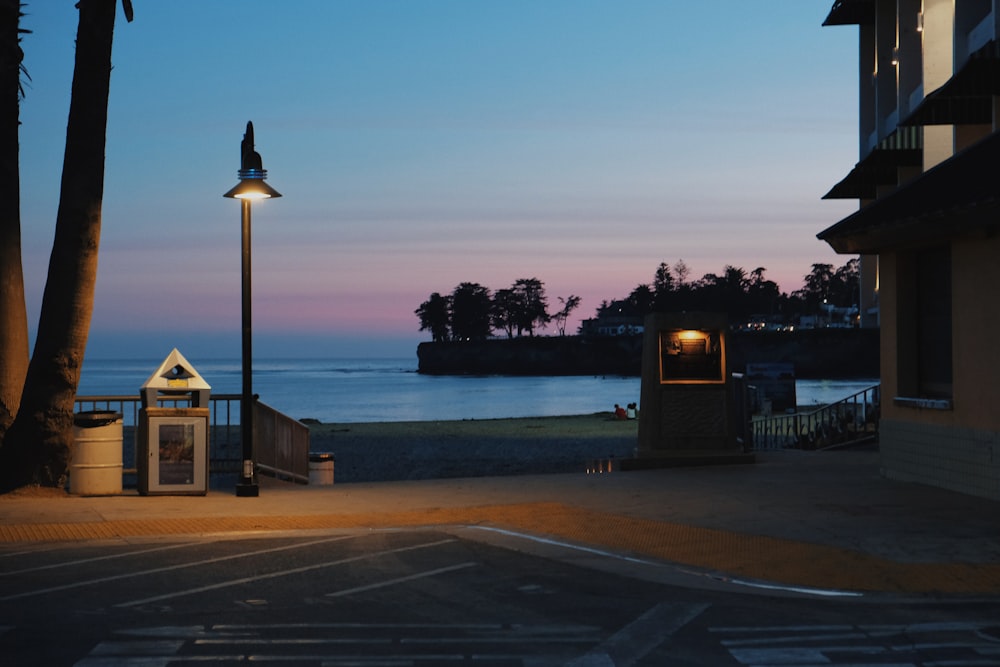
(692, 356)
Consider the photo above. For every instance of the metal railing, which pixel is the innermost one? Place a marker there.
(281, 443)
(848, 421)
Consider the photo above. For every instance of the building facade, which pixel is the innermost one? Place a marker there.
(928, 229)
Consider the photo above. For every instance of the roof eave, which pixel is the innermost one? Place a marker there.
(955, 198)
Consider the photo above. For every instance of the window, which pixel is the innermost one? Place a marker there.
(692, 356)
(924, 332)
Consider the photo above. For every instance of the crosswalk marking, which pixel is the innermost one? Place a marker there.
(641, 636)
(962, 644)
(139, 647)
(355, 644)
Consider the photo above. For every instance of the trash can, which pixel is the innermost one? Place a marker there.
(321, 468)
(95, 467)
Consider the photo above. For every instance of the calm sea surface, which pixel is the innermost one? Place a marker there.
(369, 390)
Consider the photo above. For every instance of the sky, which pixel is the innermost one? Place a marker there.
(419, 144)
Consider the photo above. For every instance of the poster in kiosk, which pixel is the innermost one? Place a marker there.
(172, 440)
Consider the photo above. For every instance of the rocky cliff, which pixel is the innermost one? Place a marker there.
(816, 353)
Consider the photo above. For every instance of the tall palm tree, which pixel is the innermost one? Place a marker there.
(13, 314)
(38, 445)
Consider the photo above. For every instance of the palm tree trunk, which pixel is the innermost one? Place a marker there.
(38, 445)
(13, 314)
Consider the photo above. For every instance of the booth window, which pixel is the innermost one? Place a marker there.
(924, 327)
(691, 356)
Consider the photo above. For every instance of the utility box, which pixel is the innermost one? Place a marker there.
(771, 387)
(687, 413)
(172, 434)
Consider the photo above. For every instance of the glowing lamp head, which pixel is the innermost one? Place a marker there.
(252, 186)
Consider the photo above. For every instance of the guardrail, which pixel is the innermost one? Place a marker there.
(281, 443)
(849, 421)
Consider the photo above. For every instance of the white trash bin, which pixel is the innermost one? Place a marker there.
(321, 468)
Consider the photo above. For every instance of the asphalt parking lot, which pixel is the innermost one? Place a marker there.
(801, 559)
(420, 597)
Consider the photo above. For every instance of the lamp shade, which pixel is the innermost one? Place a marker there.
(252, 188)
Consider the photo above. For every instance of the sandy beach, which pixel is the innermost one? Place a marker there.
(386, 451)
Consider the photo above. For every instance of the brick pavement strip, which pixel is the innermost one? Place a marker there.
(730, 554)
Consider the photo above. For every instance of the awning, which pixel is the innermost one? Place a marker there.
(958, 197)
(879, 168)
(851, 12)
(903, 148)
(967, 97)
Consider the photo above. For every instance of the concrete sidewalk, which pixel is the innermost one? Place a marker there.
(805, 519)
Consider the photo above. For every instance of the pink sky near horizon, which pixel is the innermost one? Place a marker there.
(420, 145)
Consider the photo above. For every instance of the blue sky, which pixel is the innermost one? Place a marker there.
(423, 143)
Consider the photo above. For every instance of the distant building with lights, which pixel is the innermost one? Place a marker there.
(614, 319)
(928, 231)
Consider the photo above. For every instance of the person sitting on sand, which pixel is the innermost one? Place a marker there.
(619, 412)
(630, 411)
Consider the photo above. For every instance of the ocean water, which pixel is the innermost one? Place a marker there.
(372, 390)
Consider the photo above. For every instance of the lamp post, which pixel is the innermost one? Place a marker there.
(250, 187)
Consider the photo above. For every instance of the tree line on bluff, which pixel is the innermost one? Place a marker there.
(474, 312)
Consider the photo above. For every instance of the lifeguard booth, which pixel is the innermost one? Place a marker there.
(687, 415)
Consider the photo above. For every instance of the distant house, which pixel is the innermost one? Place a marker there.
(929, 220)
(610, 327)
(613, 320)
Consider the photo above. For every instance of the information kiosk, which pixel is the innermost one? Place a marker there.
(172, 439)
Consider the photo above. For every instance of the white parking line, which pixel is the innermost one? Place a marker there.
(281, 573)
(399, 580)
(157, 570)
(27, 552)
(95, 559)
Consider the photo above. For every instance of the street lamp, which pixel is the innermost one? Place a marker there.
(250, 187)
